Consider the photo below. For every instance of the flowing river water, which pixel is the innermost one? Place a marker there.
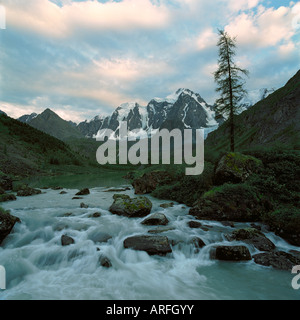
(39, 267)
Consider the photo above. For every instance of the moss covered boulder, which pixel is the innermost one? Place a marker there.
(130, 207)
(230, 202)
(235, 167)
(254, 237)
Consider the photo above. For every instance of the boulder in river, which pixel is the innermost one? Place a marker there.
(7, 222)
(27, 192)
(231, 253)
(254, 237)
(105, 262)
(278, 260)
(83, 192)
(130, 207)
(153, 245)
(156, 219)
(66, 240)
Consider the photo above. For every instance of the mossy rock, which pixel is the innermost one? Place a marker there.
(230, 202)
(235, 167)
(130, 207)
(254, 237)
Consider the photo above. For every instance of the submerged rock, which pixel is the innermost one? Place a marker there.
(194, 224)
(156, 219)
(167, 205)
(130, 207)
(161, 229)
(66, 240)
(83, 192)
(105, 262)
(7, 222)
(231, 253)
(99, 236)
(198, 243)
(278, 260)
(153, 245)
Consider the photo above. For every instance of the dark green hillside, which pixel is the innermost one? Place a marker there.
(26, 150)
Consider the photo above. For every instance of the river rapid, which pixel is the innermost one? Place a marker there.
(39, 267)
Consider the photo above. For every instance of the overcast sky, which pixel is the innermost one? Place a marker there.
(85, 58)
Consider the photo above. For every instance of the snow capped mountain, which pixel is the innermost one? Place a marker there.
(183, 109)
(253, 97)
(28, 117)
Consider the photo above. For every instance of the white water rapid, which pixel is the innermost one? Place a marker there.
(39, 267)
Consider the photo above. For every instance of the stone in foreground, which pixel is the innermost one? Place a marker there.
(153, 245)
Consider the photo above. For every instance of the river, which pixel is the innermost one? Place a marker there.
(39, 267)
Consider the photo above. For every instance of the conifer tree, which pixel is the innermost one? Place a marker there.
(229, 81)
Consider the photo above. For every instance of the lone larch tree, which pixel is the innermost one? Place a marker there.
(229, 81)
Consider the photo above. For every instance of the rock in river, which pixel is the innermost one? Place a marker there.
(7, 222)
(232, 253)
(130, 207)
(151, 244)
(254, 237)
(156, 219)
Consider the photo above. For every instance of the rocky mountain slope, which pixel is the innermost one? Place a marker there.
(49, 122)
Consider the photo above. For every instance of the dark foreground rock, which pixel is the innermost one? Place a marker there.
(6, 183)
(149, 181)
(231, 253)
(27, 192)
(235, 167)
(278, 260)
(7, 222)
(7, 197)
(130, 207)
(83, 192)
(156, 219)
(66, 240)
(230, 203)
(104, 262)
(153, 245)
(254, 237)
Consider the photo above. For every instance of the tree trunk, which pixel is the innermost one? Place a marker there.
(231, 103)
(231, 130)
